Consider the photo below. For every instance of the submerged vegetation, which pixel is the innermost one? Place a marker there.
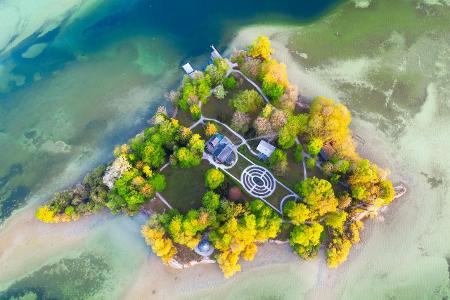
(325, 209)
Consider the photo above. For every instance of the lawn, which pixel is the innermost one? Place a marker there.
(185, 187)
(184, 118)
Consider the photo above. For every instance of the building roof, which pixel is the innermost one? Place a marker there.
(265, 148)
(204, 248)
(224, 155)
(215, 54)
(221, 148)
(188, 68)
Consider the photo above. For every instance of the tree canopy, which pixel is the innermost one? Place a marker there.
(260, 48)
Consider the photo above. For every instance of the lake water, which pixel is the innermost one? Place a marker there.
(93, 72)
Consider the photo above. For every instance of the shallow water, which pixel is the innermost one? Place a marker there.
(389, 62)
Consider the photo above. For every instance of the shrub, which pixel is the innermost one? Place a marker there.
(267, 111)
(158, 181)
(69, 210)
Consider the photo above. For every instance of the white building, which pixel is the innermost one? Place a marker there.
(188, 68)
(265, 149)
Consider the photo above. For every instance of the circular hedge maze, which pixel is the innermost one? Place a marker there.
(258, 181)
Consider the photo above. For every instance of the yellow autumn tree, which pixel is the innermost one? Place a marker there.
(260, 48)
(210, 129)
(48, 215)
(329, 121)
(45, 214)
(338, 250)
(273, 71)
(228, 263)
(367, 184)
(155, 236)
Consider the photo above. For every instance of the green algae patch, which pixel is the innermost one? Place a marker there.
(70, 278)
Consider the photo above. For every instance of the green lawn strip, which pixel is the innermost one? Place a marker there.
(185, 187)
(277, 196)
(240, 165)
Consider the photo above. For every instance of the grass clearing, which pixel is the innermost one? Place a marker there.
(185, 187)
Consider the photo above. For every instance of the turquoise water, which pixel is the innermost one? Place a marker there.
(71, 91)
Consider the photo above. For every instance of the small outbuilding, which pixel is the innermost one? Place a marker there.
(265, 150)
(188, 68)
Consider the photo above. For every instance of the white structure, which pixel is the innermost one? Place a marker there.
(258, 181)
(265, 149)
(188, 68)
(204, 248)
(215, 54)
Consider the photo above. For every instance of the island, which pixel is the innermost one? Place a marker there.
(242, 159)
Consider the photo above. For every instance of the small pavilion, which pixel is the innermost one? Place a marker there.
(204, 248)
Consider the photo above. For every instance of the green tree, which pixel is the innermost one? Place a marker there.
(278, 161)
(314, 146)
(310, 163)
(229, 83)
(298, 153)
(336, 220)
(298, 213)
(247, 101)
(153, 154)
(305, 239)
(294, 126)
(260, 48)
(318, 195)
(272, 90)
(211, 200)
(214, 178)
